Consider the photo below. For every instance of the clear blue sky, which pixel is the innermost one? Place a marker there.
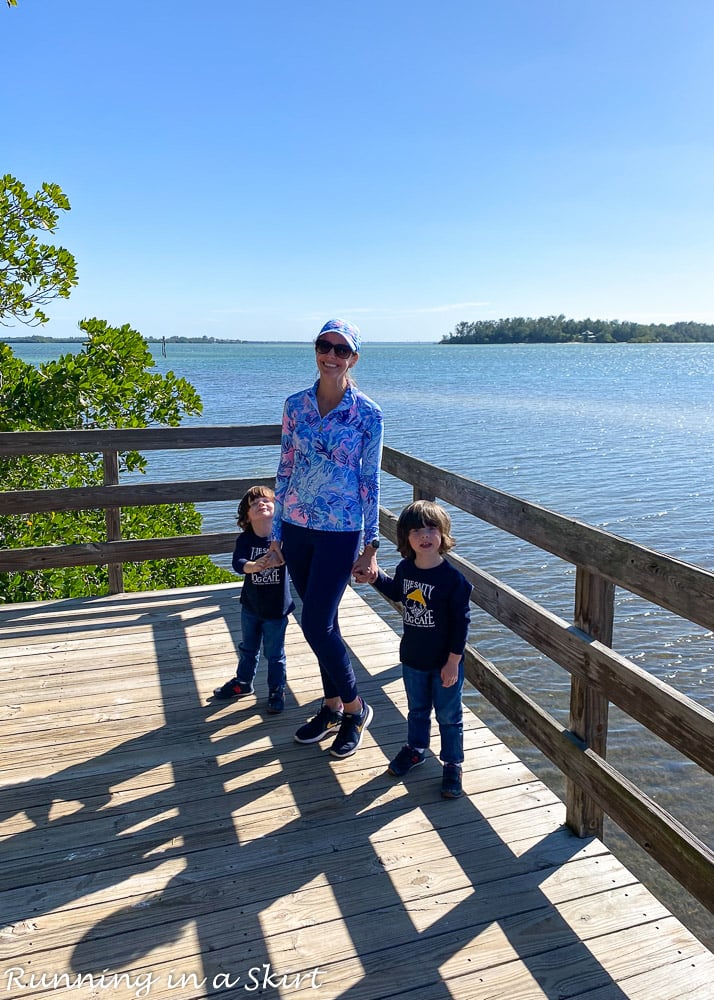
(249, 169)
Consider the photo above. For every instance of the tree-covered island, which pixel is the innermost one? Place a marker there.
(559, 330)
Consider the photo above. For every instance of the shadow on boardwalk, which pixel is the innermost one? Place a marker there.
(212, 847)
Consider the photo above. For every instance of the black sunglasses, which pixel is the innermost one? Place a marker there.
(342, 351)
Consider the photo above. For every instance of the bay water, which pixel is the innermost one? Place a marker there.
(619, 436)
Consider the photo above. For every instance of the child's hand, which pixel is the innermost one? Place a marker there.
(450, 673)
(364, 575)
(273, 557)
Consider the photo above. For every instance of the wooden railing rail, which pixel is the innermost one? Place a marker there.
(137, 439)
(599, 675)
(134, 495)
(677, 586)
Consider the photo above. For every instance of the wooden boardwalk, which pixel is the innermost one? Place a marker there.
(155, 843)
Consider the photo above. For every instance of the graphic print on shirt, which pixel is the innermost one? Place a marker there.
(416, 610)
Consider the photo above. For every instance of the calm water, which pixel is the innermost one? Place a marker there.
(620, 436)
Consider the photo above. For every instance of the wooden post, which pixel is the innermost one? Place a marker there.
(594, 614)
(110, 462)
(418, 494)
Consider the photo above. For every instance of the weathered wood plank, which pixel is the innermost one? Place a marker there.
(594, 615)
(102, 553)
(137, 439)
(129, 495)
(571, 971)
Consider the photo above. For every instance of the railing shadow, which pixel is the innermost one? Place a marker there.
(248, 841)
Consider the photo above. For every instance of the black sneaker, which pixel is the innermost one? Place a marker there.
(276, 701)
(232, 689)
(406, 759)
(320, 726)
(451, 782)
(351, 731)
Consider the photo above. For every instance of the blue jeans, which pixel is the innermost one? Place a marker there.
(426, 692)
(272, 633)
(320, 564)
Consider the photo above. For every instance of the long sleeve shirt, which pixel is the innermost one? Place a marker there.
(267, 594)
(436, 612)
(328, 476)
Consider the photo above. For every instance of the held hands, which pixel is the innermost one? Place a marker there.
(365, 568)
(273, 557)
(364, 576)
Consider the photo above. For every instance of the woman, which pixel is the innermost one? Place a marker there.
(327, 489)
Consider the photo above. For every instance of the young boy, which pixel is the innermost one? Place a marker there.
(265, 602)
(435, 599)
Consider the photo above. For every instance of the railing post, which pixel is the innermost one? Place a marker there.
(594, 614)
(418, 494)
(110, 463)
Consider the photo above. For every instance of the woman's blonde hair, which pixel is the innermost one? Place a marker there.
(423, 514)
(244, 506)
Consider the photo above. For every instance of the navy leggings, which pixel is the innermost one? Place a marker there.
(320, 564)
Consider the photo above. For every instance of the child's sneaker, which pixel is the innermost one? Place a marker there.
(232, 689)
(276, 701)
(406, 759)
(351, 731)
(451, 782)
(325, 722)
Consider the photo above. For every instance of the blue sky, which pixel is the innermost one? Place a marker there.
(249, 169)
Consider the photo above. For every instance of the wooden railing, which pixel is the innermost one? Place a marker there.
(112, 497)
(599, 675)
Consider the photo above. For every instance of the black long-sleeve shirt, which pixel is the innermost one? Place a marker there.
(436, 612)
(266, 594)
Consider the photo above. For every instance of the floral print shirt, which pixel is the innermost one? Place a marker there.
(328, 476)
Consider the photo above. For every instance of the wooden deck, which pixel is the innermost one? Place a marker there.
(158, 844)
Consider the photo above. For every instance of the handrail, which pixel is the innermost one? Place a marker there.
(680, 587)
(599, 675)
(77, 442)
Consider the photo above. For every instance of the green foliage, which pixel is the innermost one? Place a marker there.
(32, 273)
(559, 330)
(107, 384)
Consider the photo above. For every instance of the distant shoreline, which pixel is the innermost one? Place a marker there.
(444, 342)
(215, 341)
(40, 339)
(498, 332)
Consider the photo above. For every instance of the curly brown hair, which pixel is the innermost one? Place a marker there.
(423, 514)
(244, 506)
